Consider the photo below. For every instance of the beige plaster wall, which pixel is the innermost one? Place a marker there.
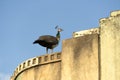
(110, 47)
(44, 72)
(80, 58)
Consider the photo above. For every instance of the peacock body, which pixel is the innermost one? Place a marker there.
(48, 41)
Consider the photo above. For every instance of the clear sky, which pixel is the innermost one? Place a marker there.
(23, 21)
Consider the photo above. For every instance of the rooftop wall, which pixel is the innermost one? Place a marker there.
(80, 58)
(40, 65)
(110, 47)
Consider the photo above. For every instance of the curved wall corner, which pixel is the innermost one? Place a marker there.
(46, 67)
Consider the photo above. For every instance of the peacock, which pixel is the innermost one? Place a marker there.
(48, 41)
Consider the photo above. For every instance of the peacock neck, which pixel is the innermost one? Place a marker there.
(58, 35)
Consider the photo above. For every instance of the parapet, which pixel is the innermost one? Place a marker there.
(110, 18)
(86, 32)
(39, 60)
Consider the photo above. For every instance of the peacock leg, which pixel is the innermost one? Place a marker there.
(51, 50)
(46, 50)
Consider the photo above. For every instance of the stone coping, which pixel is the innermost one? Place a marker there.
(86, 32)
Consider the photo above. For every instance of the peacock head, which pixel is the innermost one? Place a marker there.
(58, 29)
(58, 32)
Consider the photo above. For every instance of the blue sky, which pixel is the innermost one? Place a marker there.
(23, 21)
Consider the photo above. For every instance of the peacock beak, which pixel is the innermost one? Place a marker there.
(34, 42)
